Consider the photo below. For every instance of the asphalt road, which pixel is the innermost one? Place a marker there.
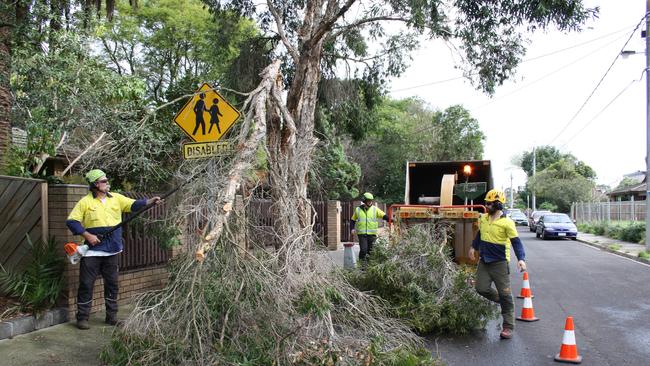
(607, 295)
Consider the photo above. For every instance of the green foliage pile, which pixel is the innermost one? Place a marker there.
(632, 232)
(39, 285)
(255, 310)
(425, 288)
(644, 254)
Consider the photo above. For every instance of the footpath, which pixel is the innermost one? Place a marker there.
(61, 344)
(618, 247)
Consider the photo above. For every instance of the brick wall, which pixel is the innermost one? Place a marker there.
(62, 199)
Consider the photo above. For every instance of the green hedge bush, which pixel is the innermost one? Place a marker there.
(633, 232)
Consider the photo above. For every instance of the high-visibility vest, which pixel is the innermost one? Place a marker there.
(366, 221)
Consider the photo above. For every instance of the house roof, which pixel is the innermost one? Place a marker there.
(19, 139)
(639, 188)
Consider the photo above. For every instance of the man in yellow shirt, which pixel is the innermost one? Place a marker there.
(94, 215)
(496, 233)
(365, 223)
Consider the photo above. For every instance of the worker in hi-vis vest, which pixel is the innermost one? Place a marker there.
(365, 222)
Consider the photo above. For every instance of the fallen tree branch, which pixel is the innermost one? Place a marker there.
(83, 153)
(246, 153)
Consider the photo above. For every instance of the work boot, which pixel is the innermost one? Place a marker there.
(506, 333)
(83, 324)
(111, 320)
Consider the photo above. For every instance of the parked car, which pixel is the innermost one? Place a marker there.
(556, 225)
(510, 211)
(532, 220)
(519, 218)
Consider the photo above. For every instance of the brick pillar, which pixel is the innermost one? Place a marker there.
(333, 225)
(61, 200)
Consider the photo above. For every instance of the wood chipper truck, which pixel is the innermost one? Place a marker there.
(445, 191)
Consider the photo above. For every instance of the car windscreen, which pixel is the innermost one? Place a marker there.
(561, 219)
(537, 215)
(518, 215)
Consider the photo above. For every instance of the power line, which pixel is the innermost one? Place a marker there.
(579, 44)
(524, 61)
(546, 75)
(599, 113)
(535, 81)
(428, 84)
(599, 82)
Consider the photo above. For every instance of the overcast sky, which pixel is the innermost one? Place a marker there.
(538, 106)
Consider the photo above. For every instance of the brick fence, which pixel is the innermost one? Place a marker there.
(62, 199)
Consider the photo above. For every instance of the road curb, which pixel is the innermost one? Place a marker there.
(26, 324)
(626, 255)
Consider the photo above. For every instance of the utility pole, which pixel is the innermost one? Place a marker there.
(534, 169)
(647, 156)
(512, 202)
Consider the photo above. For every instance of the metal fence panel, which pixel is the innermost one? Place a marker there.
(141, 249)
(609, 211)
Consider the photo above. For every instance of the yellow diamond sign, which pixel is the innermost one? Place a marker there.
(207, 116)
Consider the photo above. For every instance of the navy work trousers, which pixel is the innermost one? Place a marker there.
(90, 267)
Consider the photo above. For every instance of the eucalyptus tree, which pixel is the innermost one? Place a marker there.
(319, 37)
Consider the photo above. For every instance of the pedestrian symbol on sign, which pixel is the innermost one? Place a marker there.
(206, 105)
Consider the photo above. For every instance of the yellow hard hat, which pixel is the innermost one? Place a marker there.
(495, 195)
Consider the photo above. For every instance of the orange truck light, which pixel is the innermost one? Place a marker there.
(467, 169)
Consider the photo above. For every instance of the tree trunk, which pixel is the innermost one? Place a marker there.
(290, 141)
(7, 21)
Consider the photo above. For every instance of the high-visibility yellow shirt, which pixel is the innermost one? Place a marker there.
(91, 212)
(97, 217)
(495, 237)
(367, 221)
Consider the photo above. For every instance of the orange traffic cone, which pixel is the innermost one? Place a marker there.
(568, 350)
(525, 288)
(527, 312)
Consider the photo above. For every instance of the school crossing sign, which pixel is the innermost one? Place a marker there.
(207, 116)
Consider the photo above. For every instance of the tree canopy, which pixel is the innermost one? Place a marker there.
(561, 184)
(408, 129)
(548, 155)
(90, 80)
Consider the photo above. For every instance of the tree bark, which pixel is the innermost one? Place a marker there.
(290, 143)
(7, 21)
